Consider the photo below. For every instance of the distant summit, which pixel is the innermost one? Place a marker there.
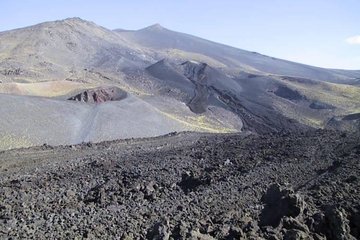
(74, 19)
(154, 27)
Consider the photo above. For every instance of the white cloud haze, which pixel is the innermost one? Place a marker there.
(353, 40)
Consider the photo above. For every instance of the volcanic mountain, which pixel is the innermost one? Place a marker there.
(72, 81)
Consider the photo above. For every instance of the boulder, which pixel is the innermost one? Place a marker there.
(280, 202)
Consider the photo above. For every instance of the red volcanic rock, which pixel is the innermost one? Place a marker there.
(99, 95)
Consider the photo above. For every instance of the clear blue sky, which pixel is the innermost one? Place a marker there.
(323, 33)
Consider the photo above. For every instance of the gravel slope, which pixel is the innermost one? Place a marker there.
(33, 121)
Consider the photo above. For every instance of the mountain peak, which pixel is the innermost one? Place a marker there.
(154, 27)
(77, 20)
(74, 19)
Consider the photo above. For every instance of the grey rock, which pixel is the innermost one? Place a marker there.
(337, 224)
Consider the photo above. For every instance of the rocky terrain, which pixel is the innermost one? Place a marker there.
(156, 134)
(185, 186)
(99, 95)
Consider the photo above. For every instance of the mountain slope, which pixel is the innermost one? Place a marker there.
(61, 49)
(29, 121)
(173, 82)
(160, 38)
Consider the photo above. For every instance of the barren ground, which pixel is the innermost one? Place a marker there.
(185, 186)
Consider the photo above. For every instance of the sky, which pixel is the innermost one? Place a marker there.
(324, 33)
